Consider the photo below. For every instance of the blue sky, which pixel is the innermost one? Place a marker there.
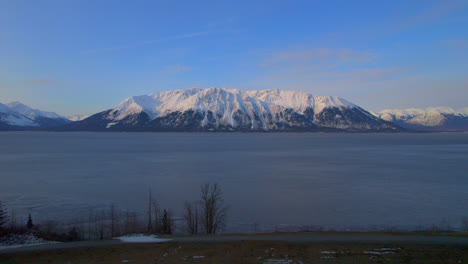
(81, 57)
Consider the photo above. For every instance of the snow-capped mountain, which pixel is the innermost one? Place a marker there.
(221, 109)
(17, 115)
(433, 118)
(77, 117)
(10, 118)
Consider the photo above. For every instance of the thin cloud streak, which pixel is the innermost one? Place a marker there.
(432, 14)
(325, 71)
(317, 58)
(358, 75)
(147, 42)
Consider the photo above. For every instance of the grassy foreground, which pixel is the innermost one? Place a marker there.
(258, 252)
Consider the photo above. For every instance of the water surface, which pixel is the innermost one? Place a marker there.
(271, 179)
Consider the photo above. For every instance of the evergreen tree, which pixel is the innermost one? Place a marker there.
(3, 215)
(30, 224)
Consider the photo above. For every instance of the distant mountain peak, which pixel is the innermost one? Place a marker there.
(77, 117)
(17, 114)
(9, 117)
(30, 112)
(431, 118)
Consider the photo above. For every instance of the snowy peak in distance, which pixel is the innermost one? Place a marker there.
(11, 118)
(432, 118)
(16, 114)
(217, 98)
(299, 100)
(30, 112)
(77, 117)
(222, 109)
(153, 104)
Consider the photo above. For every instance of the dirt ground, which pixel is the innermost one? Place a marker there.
(245, 252)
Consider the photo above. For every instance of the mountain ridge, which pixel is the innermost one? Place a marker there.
(429, 119)
(18, 116)
(223, 109)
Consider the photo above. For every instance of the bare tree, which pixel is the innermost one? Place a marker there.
(90, 224)
(464, 223)
(167, 223)
(156, 214)
(213, 208)
(191, 217)
(150, 208)
(131, 223)
(115, 222)
(3, 215)
(128, 222)
(49, 227)
(100, 227)
(13, 223)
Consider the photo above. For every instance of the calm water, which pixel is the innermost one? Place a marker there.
(332, 180)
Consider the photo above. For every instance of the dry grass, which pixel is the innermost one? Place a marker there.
(333, 233)
(244, 252)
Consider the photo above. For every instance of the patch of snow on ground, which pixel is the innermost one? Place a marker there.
(381, 251)
(141, 238)
(385, 249)
(23, 240)
(277, 261)
(378, 252)
(328, 252)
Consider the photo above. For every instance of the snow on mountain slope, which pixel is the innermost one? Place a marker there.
(152, 104)
(432, 118)
(210, 98)
(463, 111)
(299, 101)
(5, 108)
(225, 105)
(222, 109)
(9, 117)
(31, 113)
(16, 115)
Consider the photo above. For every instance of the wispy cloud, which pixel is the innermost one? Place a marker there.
(363, 75)
(431, 14)
(146, 42)
(388, 28)
(318, 58)
(326, 70)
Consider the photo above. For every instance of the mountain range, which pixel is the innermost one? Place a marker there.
(222, 109)
(430, 119)
(18, 116)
